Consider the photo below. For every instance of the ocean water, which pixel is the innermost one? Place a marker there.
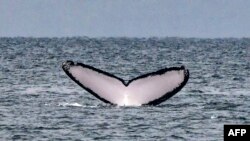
(39, 102)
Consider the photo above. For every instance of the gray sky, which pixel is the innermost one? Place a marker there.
(132, 18)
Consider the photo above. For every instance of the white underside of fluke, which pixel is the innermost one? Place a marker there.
(139, 91)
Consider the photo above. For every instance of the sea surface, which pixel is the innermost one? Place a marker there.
(38, 101)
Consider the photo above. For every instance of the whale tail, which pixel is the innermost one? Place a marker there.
(148, 89)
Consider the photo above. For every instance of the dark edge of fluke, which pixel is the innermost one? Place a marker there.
(66, 65)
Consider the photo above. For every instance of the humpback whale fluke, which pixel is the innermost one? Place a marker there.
(148, 89)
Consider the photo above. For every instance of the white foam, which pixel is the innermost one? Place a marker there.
(214, 117)
(70, 104)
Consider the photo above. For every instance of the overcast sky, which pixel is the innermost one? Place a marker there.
(132, 18)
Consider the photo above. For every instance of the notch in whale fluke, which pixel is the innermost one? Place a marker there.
(148, 89)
